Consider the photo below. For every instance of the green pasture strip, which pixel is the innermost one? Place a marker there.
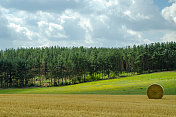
(128, 85)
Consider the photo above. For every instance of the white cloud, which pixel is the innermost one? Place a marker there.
(53, 26)
(170, 36)
(134, 36)
(137, 16)
(107, 23)
(169, 13)
(86, 25)
(68, 15)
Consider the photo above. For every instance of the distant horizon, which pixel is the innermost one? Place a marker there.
(84, 46)
(79, 46)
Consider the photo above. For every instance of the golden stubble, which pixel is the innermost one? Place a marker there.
(50, 105)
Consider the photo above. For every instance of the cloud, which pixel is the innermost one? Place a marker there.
(133, 36)
(100, 23)
(6, 35)
(171, 36)
(169, 13)
(171, 1)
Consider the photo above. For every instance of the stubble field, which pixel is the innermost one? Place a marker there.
(52, 105)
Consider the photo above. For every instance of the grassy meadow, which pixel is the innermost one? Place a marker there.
(32, 105)
(134, 85)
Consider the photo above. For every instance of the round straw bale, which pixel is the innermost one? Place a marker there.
(155, 91)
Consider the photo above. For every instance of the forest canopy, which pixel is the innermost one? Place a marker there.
(23, 67)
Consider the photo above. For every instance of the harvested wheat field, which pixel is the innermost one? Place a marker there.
(31, 105)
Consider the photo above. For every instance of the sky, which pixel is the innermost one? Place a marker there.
(88, 23)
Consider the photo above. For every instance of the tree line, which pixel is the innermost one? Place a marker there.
(24, 67)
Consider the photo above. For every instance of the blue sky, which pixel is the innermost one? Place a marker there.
(89, 23)
(162, 3)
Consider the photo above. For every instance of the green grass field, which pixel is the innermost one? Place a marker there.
(134, 85)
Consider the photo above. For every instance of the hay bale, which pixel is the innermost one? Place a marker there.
(155, 91)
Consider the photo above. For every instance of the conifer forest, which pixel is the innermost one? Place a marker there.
(24, 67)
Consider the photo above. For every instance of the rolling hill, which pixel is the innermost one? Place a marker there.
(134, 85)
